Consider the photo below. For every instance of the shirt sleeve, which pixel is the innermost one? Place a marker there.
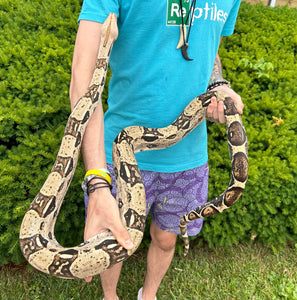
(231, 20)
(98, 10)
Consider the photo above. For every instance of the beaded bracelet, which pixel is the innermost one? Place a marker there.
(103, 173)
(218, 83)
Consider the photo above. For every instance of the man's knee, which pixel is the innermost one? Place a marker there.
(163, 239)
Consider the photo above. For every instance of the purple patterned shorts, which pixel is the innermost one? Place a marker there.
(169, 196)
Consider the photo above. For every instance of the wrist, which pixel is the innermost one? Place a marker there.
(94, 185)
(103, 173)
(215, 84)
(99, 194)
(96, 179)
(101, 200)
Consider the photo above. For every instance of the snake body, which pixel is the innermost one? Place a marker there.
(100, 252)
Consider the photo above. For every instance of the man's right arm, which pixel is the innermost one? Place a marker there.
(84, 60)
(103, 211)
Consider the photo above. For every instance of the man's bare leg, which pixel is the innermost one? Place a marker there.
(159, 258)
(109, 281)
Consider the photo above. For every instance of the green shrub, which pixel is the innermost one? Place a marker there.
(37, 41)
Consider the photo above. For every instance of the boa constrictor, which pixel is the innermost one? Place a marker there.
(100, 252)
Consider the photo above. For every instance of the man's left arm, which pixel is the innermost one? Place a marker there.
(215, 111)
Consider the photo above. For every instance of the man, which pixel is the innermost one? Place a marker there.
(152, 83)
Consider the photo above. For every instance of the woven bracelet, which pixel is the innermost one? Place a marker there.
(85, 184)
(98, 185)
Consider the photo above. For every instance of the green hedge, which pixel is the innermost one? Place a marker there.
(37, 41)
(260, 61)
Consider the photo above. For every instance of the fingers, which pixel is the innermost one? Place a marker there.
(88, 279)
(211, 109)
(122, 236)
(233, 95)
(103, 213)
(114, 223)
(221, 115)
(238, 103)
(215, 111)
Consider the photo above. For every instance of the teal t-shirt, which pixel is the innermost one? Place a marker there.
(152, 83)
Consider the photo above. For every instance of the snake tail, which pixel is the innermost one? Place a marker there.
(237, 144)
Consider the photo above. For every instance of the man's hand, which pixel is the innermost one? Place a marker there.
(215, 110)
(103, 213)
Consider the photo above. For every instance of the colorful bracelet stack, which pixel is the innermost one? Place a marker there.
(102, 174)
(215, 84)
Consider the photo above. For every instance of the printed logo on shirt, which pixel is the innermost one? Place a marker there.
(210, 11)
(174, 12)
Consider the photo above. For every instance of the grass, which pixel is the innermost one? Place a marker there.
(250, 271)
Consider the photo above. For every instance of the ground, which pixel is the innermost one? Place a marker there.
(290, 3)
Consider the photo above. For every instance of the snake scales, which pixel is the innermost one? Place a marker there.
(97, 254)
